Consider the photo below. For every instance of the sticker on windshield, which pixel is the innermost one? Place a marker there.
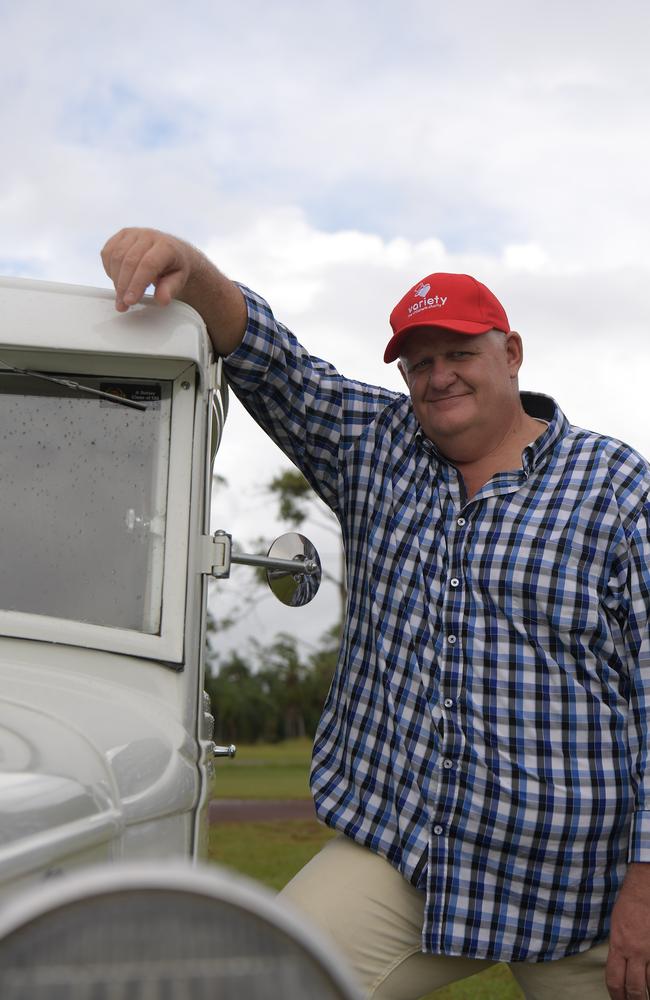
(138, 392)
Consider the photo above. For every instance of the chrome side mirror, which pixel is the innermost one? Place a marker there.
(293, 569)
(297, 584)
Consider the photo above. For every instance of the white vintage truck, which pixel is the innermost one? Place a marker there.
(109, 424)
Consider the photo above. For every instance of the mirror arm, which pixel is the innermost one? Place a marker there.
(297, 566)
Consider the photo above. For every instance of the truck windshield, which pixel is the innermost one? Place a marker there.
(84, 489)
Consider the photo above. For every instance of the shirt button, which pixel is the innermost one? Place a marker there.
(460, 522)
(447, 764)
(448, 703)
(454, 582)
(451, 639)
(438, 830)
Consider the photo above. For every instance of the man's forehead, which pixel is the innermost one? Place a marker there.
(423, 337)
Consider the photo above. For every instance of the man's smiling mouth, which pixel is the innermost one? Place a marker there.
(446, 399)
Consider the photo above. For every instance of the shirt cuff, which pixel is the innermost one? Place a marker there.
(639, 844)
(249, 363)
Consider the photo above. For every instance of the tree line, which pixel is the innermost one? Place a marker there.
(273, 693)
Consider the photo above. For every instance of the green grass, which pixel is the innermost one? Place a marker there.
(496, 983)
(265, 771)
(272, 853)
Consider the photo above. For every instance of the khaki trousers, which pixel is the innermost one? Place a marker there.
(374, 916)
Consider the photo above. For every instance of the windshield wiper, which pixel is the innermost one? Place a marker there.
(69, 383)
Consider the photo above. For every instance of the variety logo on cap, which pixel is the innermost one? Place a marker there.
(458, 302)
(433, 302)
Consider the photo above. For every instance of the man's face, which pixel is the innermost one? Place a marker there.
(461, 386)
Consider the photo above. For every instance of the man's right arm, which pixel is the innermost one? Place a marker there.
(136, 258)
(303, 403)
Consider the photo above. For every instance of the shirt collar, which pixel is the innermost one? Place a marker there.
(535, 404)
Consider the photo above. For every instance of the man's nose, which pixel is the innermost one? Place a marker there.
(441, 375)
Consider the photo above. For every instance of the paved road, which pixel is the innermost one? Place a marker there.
(259, 810)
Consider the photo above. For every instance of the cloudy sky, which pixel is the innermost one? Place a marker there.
(329, 155)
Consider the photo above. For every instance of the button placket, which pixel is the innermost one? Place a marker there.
(445, 782)
(454, 583)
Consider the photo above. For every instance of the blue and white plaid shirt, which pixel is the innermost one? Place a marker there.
(487, 726)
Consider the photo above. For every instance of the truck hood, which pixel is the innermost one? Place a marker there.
(82, 749)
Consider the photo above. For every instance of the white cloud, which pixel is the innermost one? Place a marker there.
(481, 128)
(525, 257)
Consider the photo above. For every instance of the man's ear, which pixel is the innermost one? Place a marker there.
(514, 352)
(400, 367)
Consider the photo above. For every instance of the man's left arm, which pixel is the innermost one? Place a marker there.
(628, 964)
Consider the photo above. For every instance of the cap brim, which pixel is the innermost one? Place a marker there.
(457, 326)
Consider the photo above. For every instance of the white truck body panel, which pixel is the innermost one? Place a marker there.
(105, 741)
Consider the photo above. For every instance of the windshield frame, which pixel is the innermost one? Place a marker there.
(168, 644)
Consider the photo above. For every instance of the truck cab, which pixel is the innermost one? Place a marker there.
(108, 427)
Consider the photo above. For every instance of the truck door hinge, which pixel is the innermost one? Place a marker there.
(216, 554)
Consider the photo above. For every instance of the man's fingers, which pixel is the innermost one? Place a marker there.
(627, 979)
(140, 262)
(137, 258)
(635, 980)
(615, 974)
(120, 257)
(169, 287)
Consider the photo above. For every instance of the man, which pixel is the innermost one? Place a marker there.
(482, 751)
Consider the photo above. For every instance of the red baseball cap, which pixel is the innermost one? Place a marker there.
(451, 301)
